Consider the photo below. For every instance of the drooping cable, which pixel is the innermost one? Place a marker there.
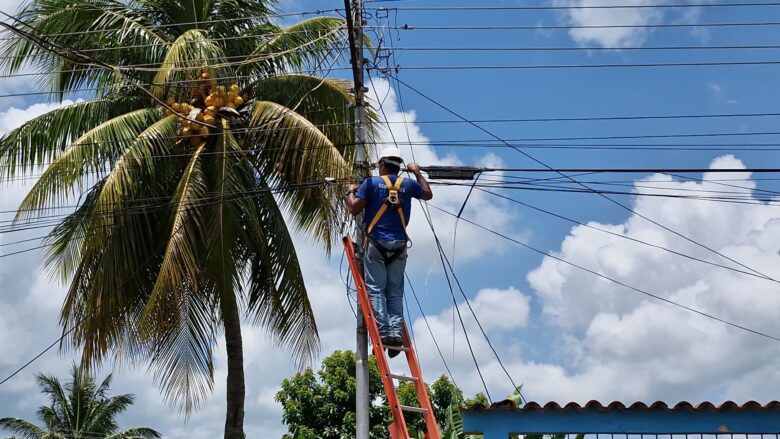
(611, 279)
(430, 331)
(610, 199)
(619, 235)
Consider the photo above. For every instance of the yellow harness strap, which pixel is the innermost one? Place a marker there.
(392, 199)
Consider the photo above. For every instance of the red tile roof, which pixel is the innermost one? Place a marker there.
(637, 406)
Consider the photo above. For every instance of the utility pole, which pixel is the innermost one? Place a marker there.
(354, 13)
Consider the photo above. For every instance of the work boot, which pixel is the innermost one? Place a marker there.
(390, 343)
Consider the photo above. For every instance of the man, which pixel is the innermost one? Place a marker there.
(387, 201)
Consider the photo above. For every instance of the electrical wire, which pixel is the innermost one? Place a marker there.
(473, 313)
(444, 259)
(430, 331)
(588, 66)
(457, 309)
(69, 331)
(159, 26)
(541, 27)
(562, 174)
(746, 200)
(138, 206)
(584, 48)
(635, 170)
(193, 203)
(562, 7)
(611, 279)
(620, 235)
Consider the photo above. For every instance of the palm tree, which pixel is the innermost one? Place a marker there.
(81, 409)
(202, 137)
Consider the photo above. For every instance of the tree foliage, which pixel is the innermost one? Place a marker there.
(79, 409)
(322, 404)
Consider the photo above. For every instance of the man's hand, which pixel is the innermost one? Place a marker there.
(354, 204)
(414, 168)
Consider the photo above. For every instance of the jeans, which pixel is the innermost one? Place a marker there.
(385, 286)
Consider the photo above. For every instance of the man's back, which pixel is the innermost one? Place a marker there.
(374, 191)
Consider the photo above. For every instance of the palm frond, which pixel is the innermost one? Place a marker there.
(178, 321)
(22, 428)
(63, 22)
(192, 50)
(298, 46)
(277, 298)
(60, 402)
(91, 153)
(38, 141)
(131, 28)
(136, 433)
(326, 102)
(292, 151)
(180, 264)
(181, 348)
(230, 178)
(135, 164)
(103, 410)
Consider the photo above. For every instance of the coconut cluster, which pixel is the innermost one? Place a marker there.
(213, 97)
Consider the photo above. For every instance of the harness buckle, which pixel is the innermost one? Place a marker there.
(392, 198)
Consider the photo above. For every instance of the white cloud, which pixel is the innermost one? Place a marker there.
(635, 347)
(490, 212)
(611, 343)
(501, 312)
(621, 37)
(715, 87)
(13, 117)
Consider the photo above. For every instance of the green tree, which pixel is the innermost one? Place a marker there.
(179, 227)
(80, 409)
(478, 400)
(322, 405)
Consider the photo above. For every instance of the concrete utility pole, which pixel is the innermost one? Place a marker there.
(354, 14)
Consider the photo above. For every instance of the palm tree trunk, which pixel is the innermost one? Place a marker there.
(234, 420)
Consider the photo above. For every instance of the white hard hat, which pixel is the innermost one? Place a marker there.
(390, 153)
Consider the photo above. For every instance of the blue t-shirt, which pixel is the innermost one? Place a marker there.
(374, 191)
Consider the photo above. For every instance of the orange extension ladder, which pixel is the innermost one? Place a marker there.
(398, 429)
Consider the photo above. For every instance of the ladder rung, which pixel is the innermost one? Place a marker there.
(408, 408)
(404, 378)
(397, 348)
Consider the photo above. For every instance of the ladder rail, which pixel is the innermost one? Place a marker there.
(415, 370)
(398, 429)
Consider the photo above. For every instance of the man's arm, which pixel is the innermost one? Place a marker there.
(427, 194)
(354, 204)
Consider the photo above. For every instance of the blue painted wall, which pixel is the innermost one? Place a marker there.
(498, 424)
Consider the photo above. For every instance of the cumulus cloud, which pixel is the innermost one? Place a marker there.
(502, 314)
(647, 348)
(490, 212)
(611, 343)
(620, 37)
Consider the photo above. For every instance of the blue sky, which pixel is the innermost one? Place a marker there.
(566, 334)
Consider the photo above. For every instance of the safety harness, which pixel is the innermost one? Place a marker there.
(393, 201)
